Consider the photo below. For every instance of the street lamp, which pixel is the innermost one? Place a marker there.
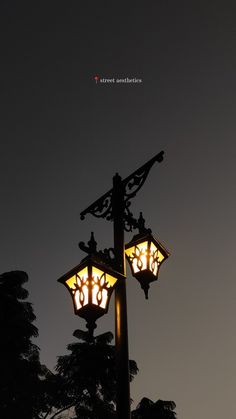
(90, 285)
(92, 282)
(145, 255)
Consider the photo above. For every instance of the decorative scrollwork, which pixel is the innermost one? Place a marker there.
(94, 290)
(133, 186)
(102, 208)
(80, 291)
(108, 256)
(154, 261)
(138, 259)
(135, 181)
(92, 245)
(100, 292)
(129, 221)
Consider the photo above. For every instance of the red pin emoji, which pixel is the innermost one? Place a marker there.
(96, 78)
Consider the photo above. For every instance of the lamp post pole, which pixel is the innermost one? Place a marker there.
(121, 323)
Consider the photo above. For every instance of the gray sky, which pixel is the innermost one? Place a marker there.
(63, 137)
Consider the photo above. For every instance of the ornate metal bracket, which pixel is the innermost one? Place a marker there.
(135, 181)
(92, 245)
(102, 208)
(131, 223)
(107, 255)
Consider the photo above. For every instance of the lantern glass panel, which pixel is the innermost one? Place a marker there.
(138, 256)
(153, 259)
(79, 286)
(111, 280)
(71, 281)
(90, 285)
(101, 282)
(99, 294)
(93, 290)
(156, 257)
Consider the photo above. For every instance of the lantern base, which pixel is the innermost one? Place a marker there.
(90, 314)
(145, 278)
(145, 288)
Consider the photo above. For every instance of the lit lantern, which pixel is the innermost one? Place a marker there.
(145, 256)
(90, 285)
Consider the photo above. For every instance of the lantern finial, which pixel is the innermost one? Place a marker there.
(92, 245)
(141, 225)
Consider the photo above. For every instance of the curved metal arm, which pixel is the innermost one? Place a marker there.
(102, 207)
(135, 181)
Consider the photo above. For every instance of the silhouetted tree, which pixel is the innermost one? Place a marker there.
(87, 377)
(147, 409)
(21, 384)
(86, 381)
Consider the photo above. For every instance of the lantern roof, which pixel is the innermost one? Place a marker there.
(91, 260)
(147, 236)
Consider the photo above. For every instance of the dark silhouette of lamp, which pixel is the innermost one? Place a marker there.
(91, 283)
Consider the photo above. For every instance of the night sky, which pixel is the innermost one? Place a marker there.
(64, 136)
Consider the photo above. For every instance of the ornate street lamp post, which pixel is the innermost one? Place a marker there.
(91, 283)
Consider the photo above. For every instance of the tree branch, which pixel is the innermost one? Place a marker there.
(59, 411)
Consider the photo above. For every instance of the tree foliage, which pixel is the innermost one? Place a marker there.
(86, 380)
(21, 373)
(87, 377)
(147, 409)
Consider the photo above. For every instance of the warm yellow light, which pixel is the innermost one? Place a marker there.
(90, 285)
(138, 255)
(71, 282)
(79, 286)
(98, 273)
(99, 294)
(111, 280)
(153, 261)
(94, 289)
(101, 282)
(156, 257)
(83, 274)
(81, 297)
(145, 256)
